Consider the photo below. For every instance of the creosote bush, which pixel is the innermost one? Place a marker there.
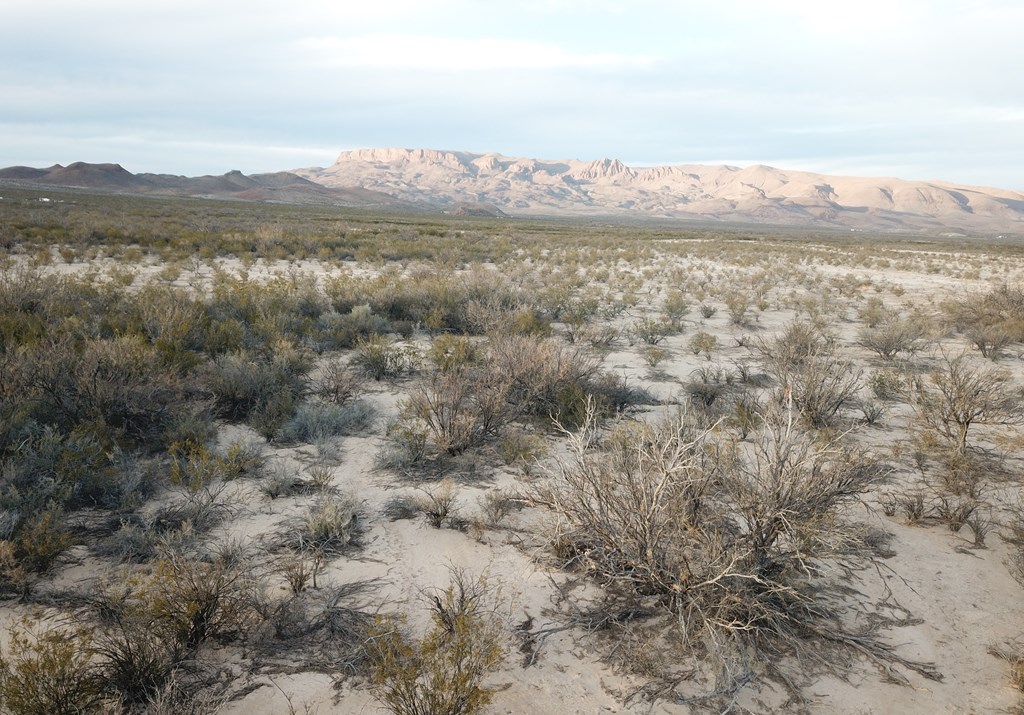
(442, 673)
(894, 337)
(379, 358)
(810, 373)
(262, 390)
(49, 672)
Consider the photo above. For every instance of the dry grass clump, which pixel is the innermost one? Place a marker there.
(331, 524)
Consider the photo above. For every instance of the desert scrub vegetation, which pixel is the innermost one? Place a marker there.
(728, 540)
(49, 670)
(167, 366)
(810, 372)
(468, 401)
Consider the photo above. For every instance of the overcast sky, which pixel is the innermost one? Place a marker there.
(920, 89)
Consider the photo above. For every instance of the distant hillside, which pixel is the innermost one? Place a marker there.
(759, 194)
(281, 187)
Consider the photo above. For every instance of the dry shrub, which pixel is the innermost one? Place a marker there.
(548, 378)
(337, 383)
(892, 337)
(379, 358)
(962, 393)
(810, 374)
(133, 660)
(330, 525)
(452, 352)
(1014, 536)
(262, 390)
(518, 447)
(496, 504)
(991, 321)
(461, 408)
(327, 628)
(441, 504)
(702, 342)
(173, 322)
(1013, 654)
(728, 537)
(118, 388)
(187, 601)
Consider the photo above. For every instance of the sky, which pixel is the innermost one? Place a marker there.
(918, 89)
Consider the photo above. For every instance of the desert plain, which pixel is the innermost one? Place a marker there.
(262, 459)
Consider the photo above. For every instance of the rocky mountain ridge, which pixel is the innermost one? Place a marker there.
(760, 194)
(463, 183)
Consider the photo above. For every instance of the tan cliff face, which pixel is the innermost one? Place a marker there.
(609, 187)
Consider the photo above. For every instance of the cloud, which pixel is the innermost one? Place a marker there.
(422, 53)
(920, 85)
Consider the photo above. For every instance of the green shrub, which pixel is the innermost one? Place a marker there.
(337, 331)
(48, 672)
(651, 331)
(442, 673)
(40, 540)
(654, 355)
(675, 307)
(69, 470)
(173, 322)
(117, 389)
(405, 442)
(887, 384)
(440, 504)
(702, 342)
(738, 305)
(378, 357)
(519, 447)
(244, 385)
(450, 352)
(315, 421)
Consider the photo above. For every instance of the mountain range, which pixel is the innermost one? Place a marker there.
(280, 187)
(493, 184)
